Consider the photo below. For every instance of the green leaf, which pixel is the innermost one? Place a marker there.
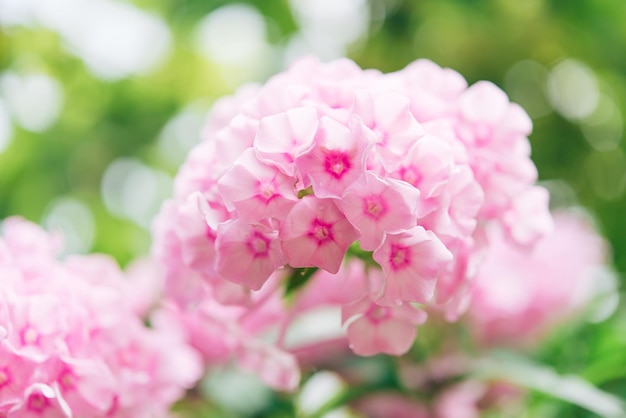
(514, 369)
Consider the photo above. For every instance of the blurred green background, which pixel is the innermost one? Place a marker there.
(100, 101)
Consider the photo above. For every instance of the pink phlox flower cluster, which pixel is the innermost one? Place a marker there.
(328, 161)
(520, 296)
(226, 333)
(71, 341)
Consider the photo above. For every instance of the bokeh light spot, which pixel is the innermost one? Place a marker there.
(604, 127)
(134, 191)
(6, 130)
(573, 89)
(34, 100)
(73, 219)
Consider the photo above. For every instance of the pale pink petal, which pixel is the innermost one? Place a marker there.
(337, 159)
(247, 254)
(483, 102)
(380, 206)
(316, 234)
(275, 367)
(283, 137)
(529, 217)
(412, 261)
(387, 115)
(256, 190)
(374, 329)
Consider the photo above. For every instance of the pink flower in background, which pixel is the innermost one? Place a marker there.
(460, 400)
(519, 295)
(495, 134)
(72, 343)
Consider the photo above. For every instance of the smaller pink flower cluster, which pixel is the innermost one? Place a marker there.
(71, 341)
(536, 290)
(401, 173)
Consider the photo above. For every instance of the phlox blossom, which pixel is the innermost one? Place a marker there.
(72, 343)
(326, 163)
(337, 160)
(380, 206)
(256, 190)
(316, 233)
(246, 253)
(394, 128)
(374, 329)
(518, 296)
(283, 137)
(411, 261)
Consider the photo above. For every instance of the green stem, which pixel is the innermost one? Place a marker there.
(298, 278)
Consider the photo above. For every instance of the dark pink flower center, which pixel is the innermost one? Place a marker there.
(66, 379)
(266, 192)
(410, 175)
(399, 256)
(321, 230)
(37, 402)
(5, 377)
(377, 313)
(336, 164)
(29, 336)
(259, 244)
(375, 207)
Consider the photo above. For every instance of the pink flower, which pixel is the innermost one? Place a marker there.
(226, 108)
(519, 295)
(414, 164)
(66, 334)
(528, 218)
(433, 90)
(223, 332)
(257, 191)
(427, 165)
(337, 159)
(286, 136)
(395, 129)
(374, 329)
(460, 401)
(41, 400)
(412, 261)
(380, 206)
(316, 234)
(247, 254)
(276, 368)
(495, 134)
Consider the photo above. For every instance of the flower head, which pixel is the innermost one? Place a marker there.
(73, 343)
(399, 176)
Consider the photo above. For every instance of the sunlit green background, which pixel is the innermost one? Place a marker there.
(100, 101)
